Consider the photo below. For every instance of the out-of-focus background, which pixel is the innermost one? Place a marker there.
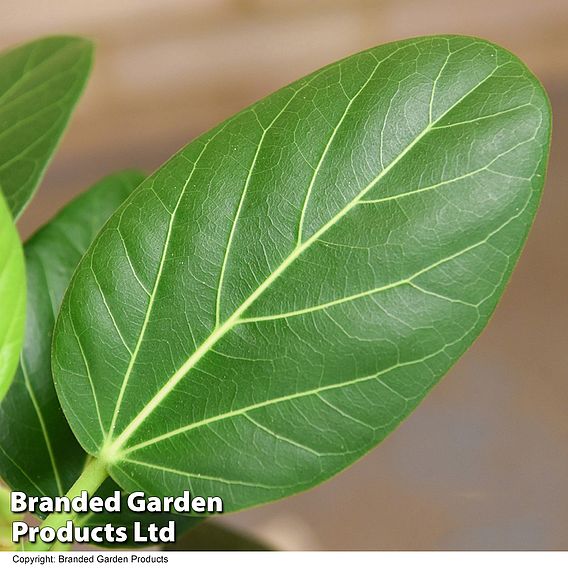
(483, 463)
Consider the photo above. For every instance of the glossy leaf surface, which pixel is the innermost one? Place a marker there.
(40, 83)
(12, 297)
(281, 294)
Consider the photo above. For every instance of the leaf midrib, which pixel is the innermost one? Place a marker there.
(357, 380)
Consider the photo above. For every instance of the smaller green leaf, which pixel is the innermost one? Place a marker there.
(40, 84)
(215, 537)
(12, 297)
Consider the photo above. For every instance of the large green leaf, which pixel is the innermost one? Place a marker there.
(12, 297)
(40, 83)
(275, 299)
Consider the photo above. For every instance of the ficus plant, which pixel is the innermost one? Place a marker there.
(274, 300)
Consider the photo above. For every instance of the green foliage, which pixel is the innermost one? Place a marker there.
(12, 297)
(282, 293)
(276, 298)
(40, 83)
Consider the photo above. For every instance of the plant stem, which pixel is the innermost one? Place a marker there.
(90, 480)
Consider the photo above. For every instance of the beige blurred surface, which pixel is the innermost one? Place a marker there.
(483, 463)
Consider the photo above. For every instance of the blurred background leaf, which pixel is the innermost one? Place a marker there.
(40, 83)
